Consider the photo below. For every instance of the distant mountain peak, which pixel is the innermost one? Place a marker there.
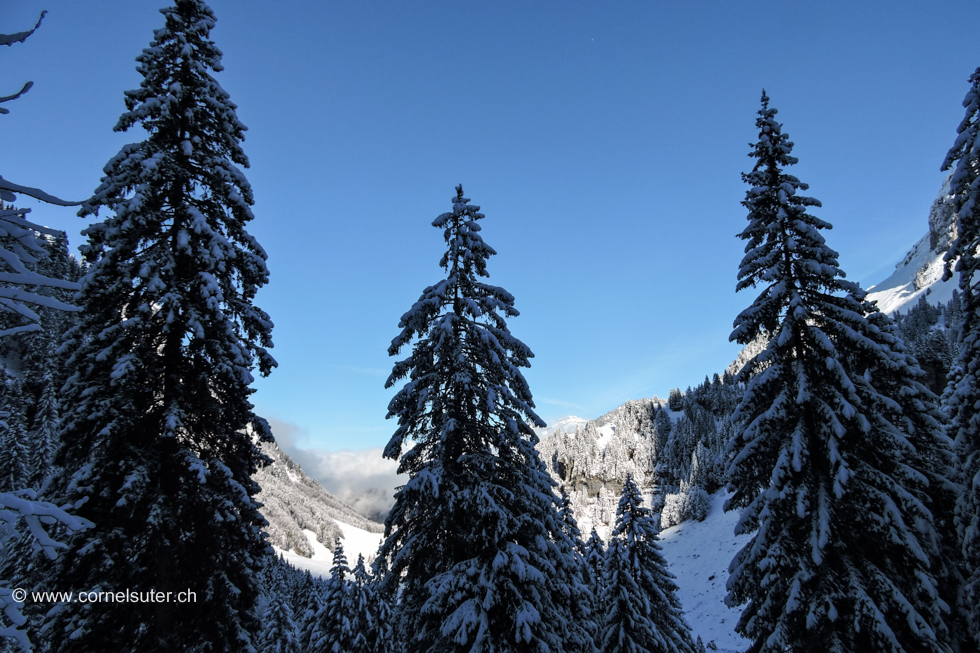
(568, 424)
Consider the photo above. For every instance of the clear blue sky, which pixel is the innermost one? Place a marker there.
(603, 140)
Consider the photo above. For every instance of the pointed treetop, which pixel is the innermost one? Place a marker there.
(639, 596)
(340, 568)
(774, 146)
(785, 251)
(178, 89)
(630, 506)
(594, 548)
(594, 537)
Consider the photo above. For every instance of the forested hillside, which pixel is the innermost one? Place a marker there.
(293, 502)
(145, 506)
(675, 448)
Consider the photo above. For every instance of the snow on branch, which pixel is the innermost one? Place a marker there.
(7, 98)
(20, 37)
(21, 508)
(14, 258)
(9, 187)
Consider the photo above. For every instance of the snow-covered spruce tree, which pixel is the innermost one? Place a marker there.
(595, 555)
(643, 613)
(279, 632)
(308, 605)
(368, 613)
(14, 448)
(582, 598)
(569, 523)
(44, 435)
(474, 542)
(961, 400)
(332, 633)
(825, 467)
(158, 427)
(39, 354)
(359, 606)
(701, 469)
(901, 397)
(595, 551)
(661, 432)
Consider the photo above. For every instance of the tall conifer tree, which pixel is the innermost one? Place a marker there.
(826, 467)
(44, 434)
(643, 613)
(474, 543)
(368, 613)
(158, 425)
(14, 448)
(962, 396)
(309, 604)
(582, 599)
(595, 554)
(279, 632)
(333, 629)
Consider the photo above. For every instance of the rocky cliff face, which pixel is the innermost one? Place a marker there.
(592, 461)
(942, 221)
(920, 272)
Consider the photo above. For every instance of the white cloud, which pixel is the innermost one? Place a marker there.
(363, 479)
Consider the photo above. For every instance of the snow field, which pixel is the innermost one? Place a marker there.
(355, 540)
(605, 435)
(698, 554)
(899, 292)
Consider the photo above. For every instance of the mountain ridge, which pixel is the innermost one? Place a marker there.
(920, 271)
(295, 504)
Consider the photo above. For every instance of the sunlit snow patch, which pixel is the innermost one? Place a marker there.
(355, 540)
(699, 553)
(605, 435)
(920, 273)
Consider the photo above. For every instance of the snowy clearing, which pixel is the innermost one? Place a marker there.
(698, 554)
(356, 541)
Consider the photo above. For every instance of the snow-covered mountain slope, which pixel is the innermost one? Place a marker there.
(698, 554)
(921, 271)
(592, 460)
(356, 542)
(302, 515)
(566, 424)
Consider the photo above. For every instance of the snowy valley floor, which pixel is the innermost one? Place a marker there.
(698, 554)
(356, 541)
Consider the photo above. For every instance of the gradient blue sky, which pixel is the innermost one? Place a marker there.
(603, 140)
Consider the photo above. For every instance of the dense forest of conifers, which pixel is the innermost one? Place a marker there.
(848, 441)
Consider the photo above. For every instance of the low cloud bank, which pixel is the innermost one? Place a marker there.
(363, 479)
